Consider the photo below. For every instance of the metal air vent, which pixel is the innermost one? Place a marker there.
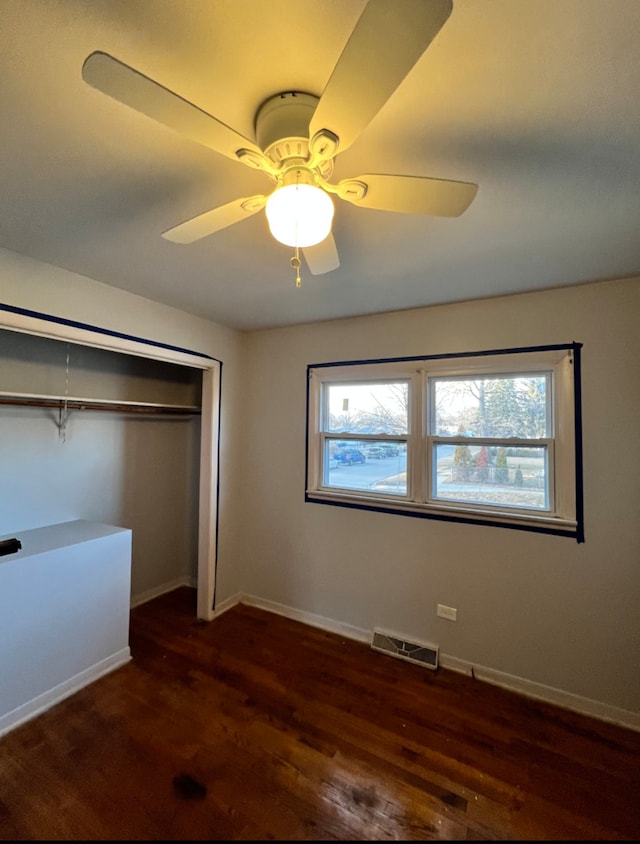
(418, 652)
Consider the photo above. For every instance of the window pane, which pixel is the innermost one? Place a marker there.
(503, 476)
(367, 408)
(497, 406)
(375, 466)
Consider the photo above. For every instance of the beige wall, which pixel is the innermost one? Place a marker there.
(538, 607)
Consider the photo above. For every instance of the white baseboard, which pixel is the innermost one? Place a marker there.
(238, 598)
(29, 710)
(311, 619)
(528, 688)
(548, 694)
(143, 597)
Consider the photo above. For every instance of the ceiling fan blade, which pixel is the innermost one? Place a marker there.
(323, 257)
(386, 42)
(132, 88)
(213, 221)
(408, 194)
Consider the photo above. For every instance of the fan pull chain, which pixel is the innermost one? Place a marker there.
(295, 263)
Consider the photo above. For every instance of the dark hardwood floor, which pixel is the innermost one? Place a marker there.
(256, 727)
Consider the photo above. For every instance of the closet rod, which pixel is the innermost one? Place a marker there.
(99, 404)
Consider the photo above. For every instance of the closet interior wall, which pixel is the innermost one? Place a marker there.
(135, 466)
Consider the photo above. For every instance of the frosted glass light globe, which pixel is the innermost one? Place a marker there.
(299, 215)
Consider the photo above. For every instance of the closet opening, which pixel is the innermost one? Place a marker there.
(70, 371)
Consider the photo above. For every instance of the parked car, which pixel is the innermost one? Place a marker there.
(349, 456)
(375, 452)
(390, 450)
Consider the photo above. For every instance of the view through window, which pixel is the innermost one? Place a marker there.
(488, 437)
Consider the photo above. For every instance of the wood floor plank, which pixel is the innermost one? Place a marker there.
(257, 727)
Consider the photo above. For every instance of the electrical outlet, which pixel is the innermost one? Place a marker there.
(447, 612)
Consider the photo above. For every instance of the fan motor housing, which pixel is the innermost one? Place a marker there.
(285, 116)
(282, 129)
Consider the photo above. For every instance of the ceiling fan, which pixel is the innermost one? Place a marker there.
(298, 135)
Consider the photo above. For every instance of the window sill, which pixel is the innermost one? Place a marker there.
(540, 523)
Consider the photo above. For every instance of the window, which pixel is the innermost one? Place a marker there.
(484, 437)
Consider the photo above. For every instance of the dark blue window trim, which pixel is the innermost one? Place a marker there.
(519, 350)
(469, 520)
(98, 330)
(577, 533)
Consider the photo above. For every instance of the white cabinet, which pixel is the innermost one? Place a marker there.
(64, 614)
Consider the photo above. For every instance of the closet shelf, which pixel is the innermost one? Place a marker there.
(75, 403)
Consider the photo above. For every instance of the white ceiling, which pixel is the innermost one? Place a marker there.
(536, 101)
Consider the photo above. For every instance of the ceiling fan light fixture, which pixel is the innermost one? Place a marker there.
(298, 135)
(300, 215)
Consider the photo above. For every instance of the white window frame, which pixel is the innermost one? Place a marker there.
(563, 445)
